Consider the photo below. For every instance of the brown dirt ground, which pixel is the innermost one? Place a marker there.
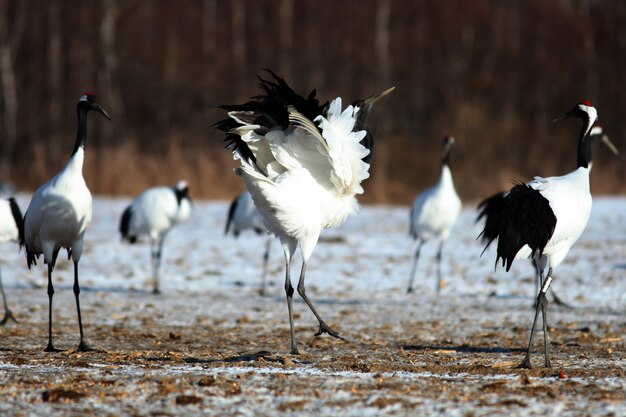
(195, 354)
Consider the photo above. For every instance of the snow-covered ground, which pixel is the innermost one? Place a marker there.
(358, 276)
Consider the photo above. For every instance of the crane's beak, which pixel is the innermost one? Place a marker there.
(605, 139)
(370, 101)
(564, 115)
(100, 110)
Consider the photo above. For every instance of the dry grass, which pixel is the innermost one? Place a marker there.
(401, 167)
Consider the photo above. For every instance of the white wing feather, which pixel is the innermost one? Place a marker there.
(344, 149)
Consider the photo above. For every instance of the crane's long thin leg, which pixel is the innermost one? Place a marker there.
(82, 346)
(542, 304)
(324, 328)
(158, 265)
(538, 277)
(8, 315)
(156, 248)
(555, 297)
(544, 316)
(50, 347)
(266, 258)
(414, 269)
(439, 280)
(289, 293)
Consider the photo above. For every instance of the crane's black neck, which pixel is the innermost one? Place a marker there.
(445, 158)
(584, 145)
(81, 134)
(180, 194)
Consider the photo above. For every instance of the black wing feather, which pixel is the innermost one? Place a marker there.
(490, 209)
(268, 110)
(231, 214)
(125, 225)
(526, 218)
(18, 218)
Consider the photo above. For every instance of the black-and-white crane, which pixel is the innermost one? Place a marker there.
(59, 213)
(434, 213)
(489, 209)
(303, 162)
(153, 213)
(545, 217)
(11, 229)
(243, 215)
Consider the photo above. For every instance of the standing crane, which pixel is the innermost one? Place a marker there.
(303, 162)
(11, 229)
(545, 217)
(434, 213)
(243, 215)
(153, 213)
(59, 213)
(489, 209)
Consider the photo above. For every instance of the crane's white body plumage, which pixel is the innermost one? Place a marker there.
(304, 181)
(153, 214)
(245, 216)
(436, 209)
(9, 230)
(155, 211)
(59, 213)
(10, 223)
(570, 200)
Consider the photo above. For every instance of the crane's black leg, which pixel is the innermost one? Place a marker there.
(289, 293)
(414, 269)
(542, 304)
(555, 297)
(8, 315)
(156, 249)
(82, 346)
(544, 315)
(157, 277)
(50, 347)
(439, 280)
(538, 278)
(266, 258)
(324, 328)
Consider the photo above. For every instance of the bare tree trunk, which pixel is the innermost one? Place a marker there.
(110, 15)
(589, 50)
(209, 48)
(170, 76)
(9, 44)
(286, 37)
(381, 149)
(239, 40)
(55, 48)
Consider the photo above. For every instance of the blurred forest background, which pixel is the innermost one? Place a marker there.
(491, 73)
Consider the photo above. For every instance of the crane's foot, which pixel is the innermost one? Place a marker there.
(84, 347)
(324, 328)
(409, 290)
(525, 364)
(8, 316)
(557, 300)
(548, 363)
(156, 291)
(262, 292)
(51, 348)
